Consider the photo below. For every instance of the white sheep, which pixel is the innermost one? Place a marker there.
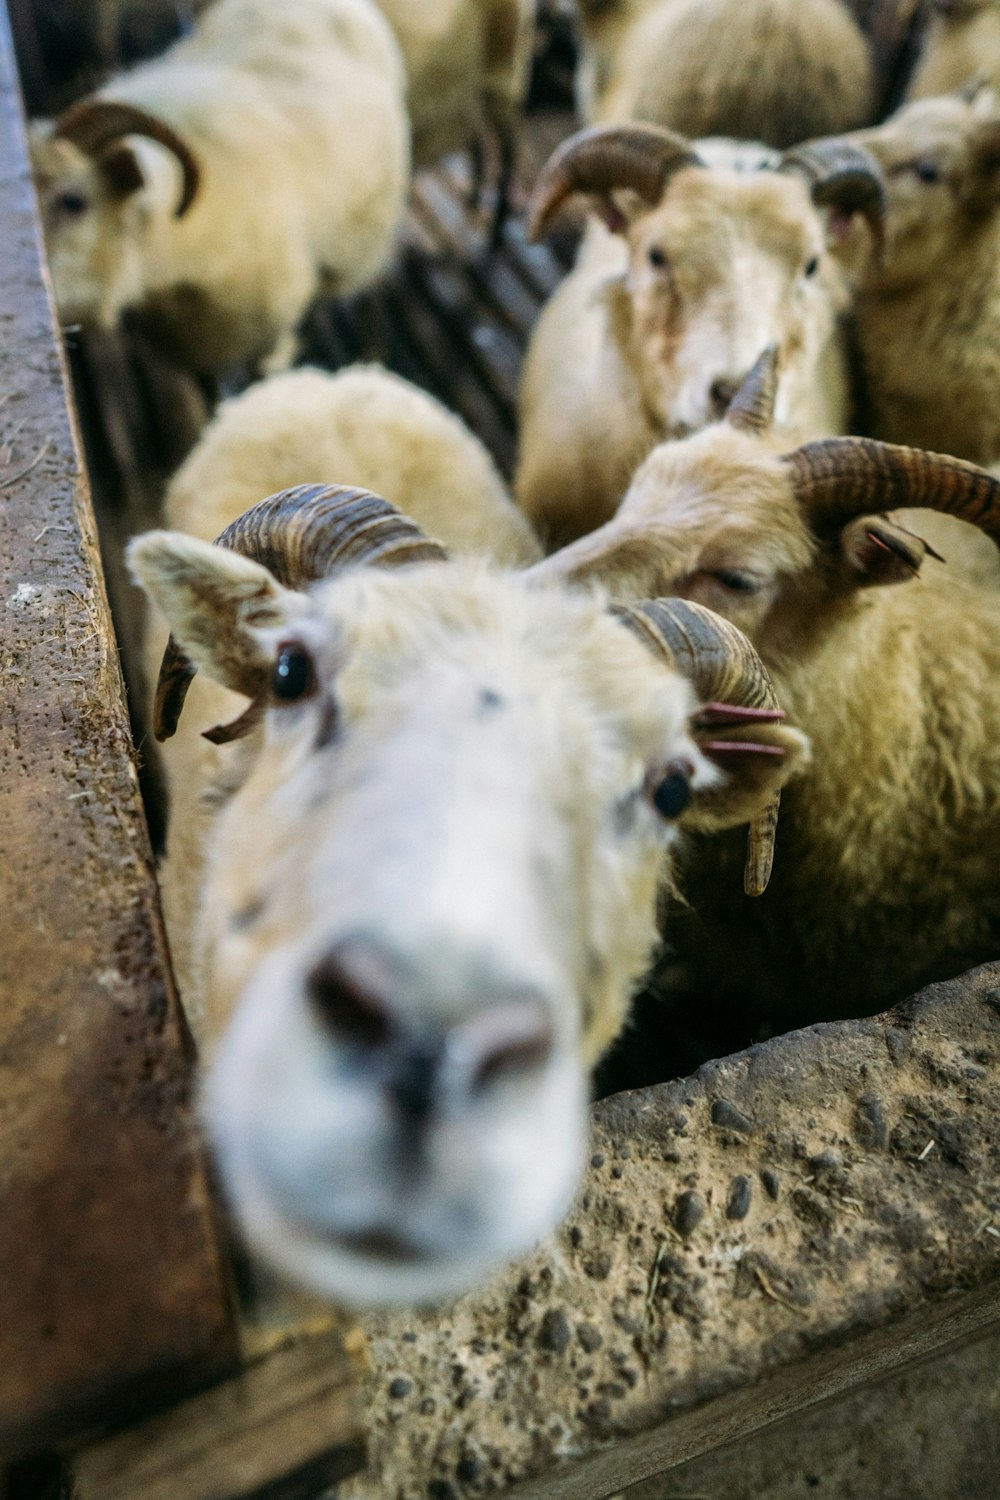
(961, 42)
(217, 189)
(423, 881)
(889, 875)
(778, 71)
(928, 309)
(653, 331)
(362, 426)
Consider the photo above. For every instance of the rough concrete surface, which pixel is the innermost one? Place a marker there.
(786, 1224)
(932, 1433)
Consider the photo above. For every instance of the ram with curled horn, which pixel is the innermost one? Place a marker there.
(411, 888)
(831, 558)
(707, 252)
(169, 195)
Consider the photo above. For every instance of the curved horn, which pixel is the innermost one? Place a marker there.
(837, 479)
(303, 535)
(95, 123)
(752, 408)
(605, 157)
(841, 175)
(724, 668)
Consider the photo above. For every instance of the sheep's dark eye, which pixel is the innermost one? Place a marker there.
(71, 201)
(294, 676)
(738, 582)
(657, 257)
(812, 266)
(928, 171)
(672, 793)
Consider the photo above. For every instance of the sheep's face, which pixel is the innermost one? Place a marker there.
(727, 263)
(708, 518)
(426, 902)
(97, 215)
(715, 519)
(941, 159)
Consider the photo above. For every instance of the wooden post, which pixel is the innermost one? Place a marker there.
(113, 1293)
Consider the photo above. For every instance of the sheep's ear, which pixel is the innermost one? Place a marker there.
(878, 550)
(756, 760)
(121, 171)
(223, 609)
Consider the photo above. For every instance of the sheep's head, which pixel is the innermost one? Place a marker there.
(941, 160)
(779, 543)
(106, 172)
(435, 882)
(721, 261)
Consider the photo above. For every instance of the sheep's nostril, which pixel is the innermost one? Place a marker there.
(509, 1042)
(345, 1006)
(721, 394)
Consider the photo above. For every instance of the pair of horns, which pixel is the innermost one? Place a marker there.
(311, 532)
(643, 158)
(94, 124)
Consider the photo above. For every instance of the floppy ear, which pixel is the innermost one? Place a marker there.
(626, 566)
(877, 550)
(756, 760)
(223, 609)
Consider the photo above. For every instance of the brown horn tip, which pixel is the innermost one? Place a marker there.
(752, 408)
(92, 124)
(723, 667)
(303, 535)
(836, 479)
(841, 175)
(603, 158)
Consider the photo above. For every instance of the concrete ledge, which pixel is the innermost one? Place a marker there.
(787, 1224)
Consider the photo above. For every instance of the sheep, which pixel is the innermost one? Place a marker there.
(425, 874)
(468, 65)
(661, 319)
(363, 425)
(215, 190)
(961, 42)
(928, 310)
(774, 70)
(889, 876)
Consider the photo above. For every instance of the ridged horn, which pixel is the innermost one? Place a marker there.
(603, 158)
(837, 479)
(752, 408)
(723, 667)
(303, 535)
(841, 175)
(96, 123)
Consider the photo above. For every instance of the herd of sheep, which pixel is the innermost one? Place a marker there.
(448, 769)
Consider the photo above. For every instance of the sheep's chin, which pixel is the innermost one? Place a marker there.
(376, 1267)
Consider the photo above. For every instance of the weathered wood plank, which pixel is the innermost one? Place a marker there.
(112, 1288)
(299, 1403)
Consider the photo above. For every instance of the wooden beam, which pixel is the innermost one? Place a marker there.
(113, 1293)
(284, 1429)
